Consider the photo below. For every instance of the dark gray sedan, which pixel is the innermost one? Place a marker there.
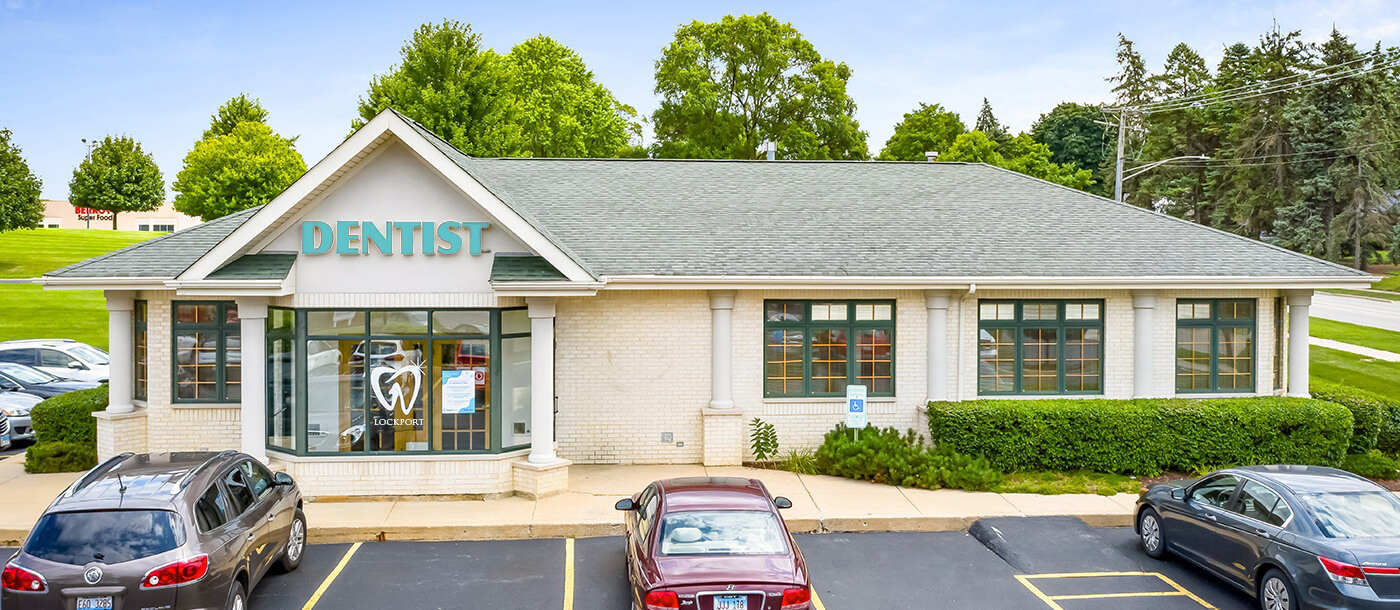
(1294, 536)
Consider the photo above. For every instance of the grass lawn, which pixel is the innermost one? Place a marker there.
(1391, 283)
(1363, 293)
(33, 252)
(1076, 482)
(1355, 334)
(1356, 370)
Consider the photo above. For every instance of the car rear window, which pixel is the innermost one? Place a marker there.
(723, 532)
(1366, 514)
(107, 536)
(90, 354)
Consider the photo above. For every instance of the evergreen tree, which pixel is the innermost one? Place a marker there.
(987, 123)
(1131, 89)
(1179, 188)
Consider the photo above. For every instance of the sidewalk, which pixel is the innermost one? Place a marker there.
(1369, 352)
(819, 504)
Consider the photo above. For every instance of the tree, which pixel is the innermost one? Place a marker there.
(117, 176)
(1021, 154)
(558, 109)
(1179, 189)
(20, 207)
(241, 109)
(448, 83)
(728, 86)
(974, 147)
(987, 123)
(244, 169)
(929, 128)
(1074, 138)
(1365, 184)
(1131, 89)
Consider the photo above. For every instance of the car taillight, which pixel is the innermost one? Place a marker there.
(659, 600)
(796, 599)
(1343, 572)
(16, 578)
(179, 573)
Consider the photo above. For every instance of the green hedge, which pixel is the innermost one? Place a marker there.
(66, 432)
(889, 456)
(1370, 412)
(1143, 436)
(59, 456)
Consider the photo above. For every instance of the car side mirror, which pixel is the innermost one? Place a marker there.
(782, 502)
(1179, 493)
(625, 504)
(75, 365)
(282, 478)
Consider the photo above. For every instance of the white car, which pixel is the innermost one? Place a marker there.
(64, 358)
(17, 405)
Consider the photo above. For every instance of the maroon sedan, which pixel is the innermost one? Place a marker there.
(712, 543)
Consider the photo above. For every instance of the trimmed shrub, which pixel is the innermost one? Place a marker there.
(889, 456)
(68, 417)
(1370, 412)
(65, 432)
(1372, 465)
(1143, 436)
(59, 456)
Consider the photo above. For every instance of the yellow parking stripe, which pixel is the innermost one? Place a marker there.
(321, 590)
(817, 601)
(569, 574)
(1050, 600)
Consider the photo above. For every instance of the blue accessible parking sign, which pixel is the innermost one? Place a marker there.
(855, 406)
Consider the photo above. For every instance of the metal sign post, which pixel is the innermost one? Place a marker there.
(855, 408)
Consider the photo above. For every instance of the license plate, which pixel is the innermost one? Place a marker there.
(731, 602)
(95, 603)
(4, 438)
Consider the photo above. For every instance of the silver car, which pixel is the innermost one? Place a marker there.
(16, 406)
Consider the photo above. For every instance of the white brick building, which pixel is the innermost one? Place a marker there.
(430, 323)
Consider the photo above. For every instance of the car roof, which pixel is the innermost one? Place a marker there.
(147, 480)
(714, 493)
(36, 342)
(1309, 479)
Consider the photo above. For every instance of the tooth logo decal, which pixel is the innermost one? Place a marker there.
(404, 382)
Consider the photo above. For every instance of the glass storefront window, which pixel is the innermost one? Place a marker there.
(400, 381)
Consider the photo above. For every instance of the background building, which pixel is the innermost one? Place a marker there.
(59, 214)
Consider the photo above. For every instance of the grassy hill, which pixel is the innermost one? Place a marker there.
(28, 311)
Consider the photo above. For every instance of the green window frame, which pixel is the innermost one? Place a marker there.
(188, 373)
(815, 348)
(139, 351)
(1216, 346)
(1040, 347)
(498, 435)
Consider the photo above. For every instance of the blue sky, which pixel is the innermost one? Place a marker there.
(156, 70)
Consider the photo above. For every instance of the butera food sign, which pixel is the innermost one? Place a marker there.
(350, 237)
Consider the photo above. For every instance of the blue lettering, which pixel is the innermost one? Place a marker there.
(313, 237)
(382, 241)
(474, 236)
(346, 240)
(406, 236)
(447, 235)
(428, 244)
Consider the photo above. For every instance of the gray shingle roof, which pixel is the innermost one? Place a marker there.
(261, 266)
(163, 257)
(518, 267)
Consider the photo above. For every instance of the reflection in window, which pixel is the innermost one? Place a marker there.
(1215, 345)
(462, 391)
(1041, 347)
(515, 389)
(281, 379)
(335, 396)
(207, 352)
(817, 348)
(397, 372)
(140, 348)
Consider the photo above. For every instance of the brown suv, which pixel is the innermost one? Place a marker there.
(161, 530)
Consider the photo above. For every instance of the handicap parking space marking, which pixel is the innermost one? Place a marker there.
(1175, 590)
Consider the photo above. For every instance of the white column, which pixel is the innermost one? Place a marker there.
(542, 380)
(252, 328)
(721, 349)
(120, 373)
(936, 304)
(1298, 303)
(1144, 305)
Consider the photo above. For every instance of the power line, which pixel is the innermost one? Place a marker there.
(1283, 88)
(1215, 160)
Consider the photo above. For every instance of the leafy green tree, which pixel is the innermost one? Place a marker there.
(240, 109)
(1020, 154)
(1180, 189)
(728, 86)
(987, 123)
(929, 128)
(558, 109)
(448, 83)
(974, 147)
(245, 168)
(117, 176)
(20, 207)
(1075, 138)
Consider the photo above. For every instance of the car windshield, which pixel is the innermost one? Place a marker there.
(1364, 514)
(25, 374)
(91, 354)
(107, 536)
(721, 533)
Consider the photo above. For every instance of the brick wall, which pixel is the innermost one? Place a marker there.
(120, 432)
(364, 476)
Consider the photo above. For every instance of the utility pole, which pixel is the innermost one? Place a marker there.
(1118, 163)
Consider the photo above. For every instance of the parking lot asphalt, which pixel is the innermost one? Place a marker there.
(1021, 563)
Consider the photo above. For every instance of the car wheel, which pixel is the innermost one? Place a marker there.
(1276, 592)
(237, 598)
(296, 544)
(1154, 542)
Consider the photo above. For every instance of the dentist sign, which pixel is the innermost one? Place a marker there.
(353, 237)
